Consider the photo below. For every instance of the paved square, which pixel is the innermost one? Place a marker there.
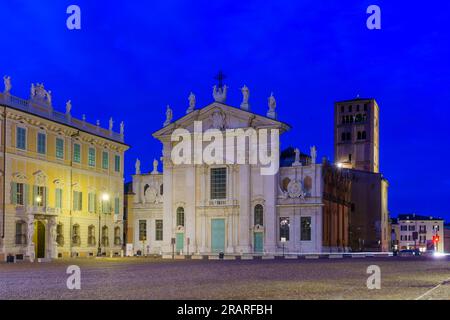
(154, 278)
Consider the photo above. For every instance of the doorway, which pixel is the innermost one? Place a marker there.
(218, 235)
(39, 239)
(180, 241)
(258, 242)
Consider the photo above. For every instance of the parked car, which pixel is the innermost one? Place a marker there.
(409, 253)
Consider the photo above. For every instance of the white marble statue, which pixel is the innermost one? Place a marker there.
(111, 124)
(313, 154)
(192, 102)
(7, 83)
(49, 97)
(155, 166)
(83, 117)
(137, 166)
(30, 230)
(297, 158)
(97, 123)
(169, 116)
(122, 127)
(272, 105)
(32, 91)
(245, 95)
(68, 107)
(220, 94)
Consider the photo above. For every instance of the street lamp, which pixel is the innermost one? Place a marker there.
(105, 198)
(38, 200)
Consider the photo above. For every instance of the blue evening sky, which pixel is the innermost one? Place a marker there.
(132, 58)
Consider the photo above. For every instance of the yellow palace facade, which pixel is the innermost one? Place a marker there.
(61, 181)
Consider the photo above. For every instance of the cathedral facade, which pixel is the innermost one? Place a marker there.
(225, 187)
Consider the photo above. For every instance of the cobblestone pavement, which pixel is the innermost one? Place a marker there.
(153, 278)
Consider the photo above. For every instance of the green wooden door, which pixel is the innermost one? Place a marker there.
(180, 242)
(218, 235)
(258, 242)
(40, 237)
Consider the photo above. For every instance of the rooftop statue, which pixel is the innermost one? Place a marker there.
(7, 83)
(192, 102)
(169, 116)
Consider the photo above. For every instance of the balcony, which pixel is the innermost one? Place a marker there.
(39, 210)
(221, 202)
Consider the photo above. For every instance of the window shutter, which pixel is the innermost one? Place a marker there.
(81, 201)
(13, 193)
(74, 200)
(116, 205)
(34, 195)
(26, 194)
(46, 196)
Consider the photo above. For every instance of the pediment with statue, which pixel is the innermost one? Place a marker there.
(221, 116)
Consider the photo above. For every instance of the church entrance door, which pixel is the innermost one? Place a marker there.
(218, 235)
(180, 241)
(258, 242)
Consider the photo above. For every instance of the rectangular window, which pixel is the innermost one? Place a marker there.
(105, 160)
(142, 230)
(19, 194)
(158, 230)
(20, 233)
(77, 201)
(92, 202)
(60, 148)
(116, 205)
(403, 228)
(284, 228)
(58, 198)
(91, 157)
(40, 196)
(117, 163)
(218, 183)
(21, 138)
(305, 227)
(76, 153)
(412, 228)
(41, 143)
(106, 206)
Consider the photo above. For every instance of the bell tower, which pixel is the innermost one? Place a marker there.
(356, 134)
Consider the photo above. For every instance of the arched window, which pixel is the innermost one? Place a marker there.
(307, 185)
(76, 240)
(285, 183)
(105, 238)
(180, 216)
(117, 237)
(91, 235)
(259, 215)
(363, 135)
(145, 188)
(60, 234)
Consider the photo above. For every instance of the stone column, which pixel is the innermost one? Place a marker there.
(318, 228)
(244, 208)
(270, 241)
(190, 212)
(230, 245)
(168, 227)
